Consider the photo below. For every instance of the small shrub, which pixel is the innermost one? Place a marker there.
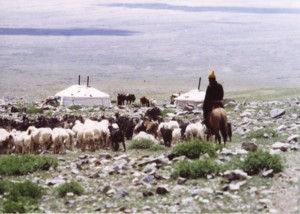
(141, 144)
(75, 107)
(137, 105)
(230, 106)
(197, 169)
(10, 206)
(157, 147)
(194, 149)
(20, 197)
(260, 160)
(260, 133)
(72, 186)
(167, 111)
(33, 109)
(24, 164)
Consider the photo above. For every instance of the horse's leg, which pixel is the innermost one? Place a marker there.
(218, 137)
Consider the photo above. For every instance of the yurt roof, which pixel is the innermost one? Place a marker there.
(192, 96)
(81, 91)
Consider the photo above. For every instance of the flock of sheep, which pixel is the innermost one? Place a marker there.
(95, 135)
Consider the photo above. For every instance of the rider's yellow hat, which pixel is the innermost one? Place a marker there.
(212, 74)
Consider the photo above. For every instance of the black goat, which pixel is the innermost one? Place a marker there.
(116, 137)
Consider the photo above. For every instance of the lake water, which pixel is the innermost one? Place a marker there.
(147, 46)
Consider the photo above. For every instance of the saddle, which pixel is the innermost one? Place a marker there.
(217, 104)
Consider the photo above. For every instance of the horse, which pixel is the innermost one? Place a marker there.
(218, 123)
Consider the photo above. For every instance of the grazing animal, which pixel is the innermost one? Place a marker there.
(126, 124)
(116, 137)
(144, 101)
(130, 98)
(172, 124)
(173, 96)
(41, 138)
(151, 127)
(62, 140)
(140, 127)
(153, 103)
(194, 131)
(176, 136)
(18, 141)
(218, 123)
(167, 136)
(121, 99)
(153, 113)
(6, 141)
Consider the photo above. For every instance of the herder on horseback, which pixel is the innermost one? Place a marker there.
(213, 97)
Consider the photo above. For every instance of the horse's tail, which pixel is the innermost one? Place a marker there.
(223, 128)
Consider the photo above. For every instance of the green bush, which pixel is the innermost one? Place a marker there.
(262, 160)
(10, 206)
(137, 105)
(197, 168)
(24, 164)
(194, 149)
(75, 107)
(141, 144)
(157, 147)
(72, 186)
(33, 109)
(19, 197)
(260, 133)
(166, 111)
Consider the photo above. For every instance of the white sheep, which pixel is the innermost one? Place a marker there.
(76, 128)
(92, 134)
(105, 133)
(61, 139)
(5, 141)
(176, 136)
(153, 103)
(41, 138)
(18, 141)
(194, 131)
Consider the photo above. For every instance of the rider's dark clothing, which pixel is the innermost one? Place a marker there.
(214, 95)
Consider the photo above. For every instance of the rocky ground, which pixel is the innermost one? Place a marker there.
(140, 180)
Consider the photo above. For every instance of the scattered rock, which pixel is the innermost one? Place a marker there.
(161, 190)
(147, 178)
(181, 180)
(265, 201)
(280, 146)
(105, 156)
(268, 174)
(234, 186)
(236, 175)
(275, 113)
(147, 193)
(249, 146)
(122, 193)
(187, 200)
(293, 138)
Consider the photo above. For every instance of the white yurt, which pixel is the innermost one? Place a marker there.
(193, 97)
(83, 95)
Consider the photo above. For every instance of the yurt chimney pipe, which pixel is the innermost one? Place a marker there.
(87, 81)
(78, 79)
(199, 83)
